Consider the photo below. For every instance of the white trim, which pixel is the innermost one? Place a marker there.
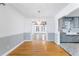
(5, 54)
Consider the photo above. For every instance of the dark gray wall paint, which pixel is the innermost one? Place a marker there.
(9, 42)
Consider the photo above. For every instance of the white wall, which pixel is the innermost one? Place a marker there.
(11, 22)
(28, 25)
(74, 13)
(50, 25)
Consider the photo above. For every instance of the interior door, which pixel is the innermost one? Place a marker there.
(39, 35)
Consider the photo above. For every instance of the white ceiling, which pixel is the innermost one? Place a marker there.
(74, 13)
(29, 10)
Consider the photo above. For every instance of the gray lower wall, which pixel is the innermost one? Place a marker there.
(27, 36)
(51, 36)
(9, 42)
(68, 38)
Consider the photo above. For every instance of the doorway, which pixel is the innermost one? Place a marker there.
(39, 35)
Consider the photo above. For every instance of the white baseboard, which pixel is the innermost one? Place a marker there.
(5, 54)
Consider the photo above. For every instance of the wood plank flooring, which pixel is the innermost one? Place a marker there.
(38, 48)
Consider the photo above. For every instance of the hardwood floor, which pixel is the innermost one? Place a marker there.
(38, 48)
